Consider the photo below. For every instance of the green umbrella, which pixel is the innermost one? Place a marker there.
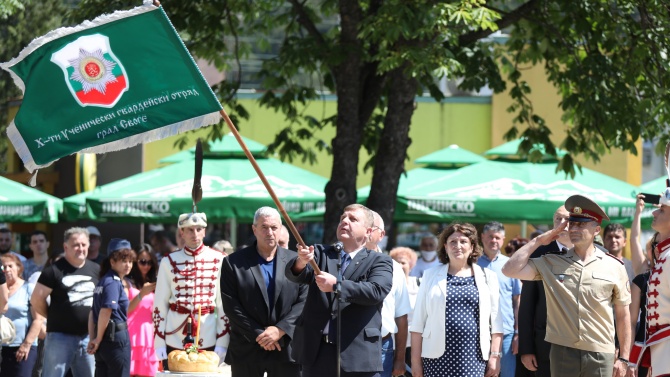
(227, 147)
(512, 192)
(510, 150)
(22, 204)
(450, 156)
(231, 189)
(74, 207)
(656, 186)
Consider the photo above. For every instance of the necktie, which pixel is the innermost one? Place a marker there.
(346, 259)
(563, 250)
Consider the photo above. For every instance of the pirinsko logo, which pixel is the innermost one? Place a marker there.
(93, 74)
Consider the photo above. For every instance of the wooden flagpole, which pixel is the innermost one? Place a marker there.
(280, 207)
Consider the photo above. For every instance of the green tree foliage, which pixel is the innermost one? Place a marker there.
(608, 60)
(21, 21)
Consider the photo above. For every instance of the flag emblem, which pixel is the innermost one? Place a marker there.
(93, 74)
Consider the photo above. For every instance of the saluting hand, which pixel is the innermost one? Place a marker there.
(551, 235)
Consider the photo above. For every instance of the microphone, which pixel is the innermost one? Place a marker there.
(339, 246)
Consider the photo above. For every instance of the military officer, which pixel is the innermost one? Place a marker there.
(585, 289)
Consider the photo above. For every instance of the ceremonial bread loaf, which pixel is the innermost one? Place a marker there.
(199, 361)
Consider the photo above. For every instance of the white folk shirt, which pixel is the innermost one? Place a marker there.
(658, 312)
(396, 303)
(188, 278)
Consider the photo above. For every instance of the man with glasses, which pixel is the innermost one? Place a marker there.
(585, 289)
(188, 286)
(395, 309)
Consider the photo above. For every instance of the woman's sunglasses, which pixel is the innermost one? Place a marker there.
(144, 262)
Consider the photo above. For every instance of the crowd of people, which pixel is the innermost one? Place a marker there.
(466, 304)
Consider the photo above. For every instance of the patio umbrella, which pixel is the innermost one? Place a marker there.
(441, 164)
(510, 151)
(231, 189)
(22, 204)
(451, 156)
(511, 192)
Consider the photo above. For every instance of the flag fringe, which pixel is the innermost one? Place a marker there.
(63, 31)
(145, 137)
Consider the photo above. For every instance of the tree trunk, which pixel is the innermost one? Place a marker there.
(341, 189)
(393, 144)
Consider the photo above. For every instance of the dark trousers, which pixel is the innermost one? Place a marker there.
(169, 349)
(259, 367)
(572, 362)
(543, 368)
(112, 359)
(326, 360)
(12, 368)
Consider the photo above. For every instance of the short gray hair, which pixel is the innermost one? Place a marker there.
(494, 227)
(375, 217)
(266, 212)
(75, 230)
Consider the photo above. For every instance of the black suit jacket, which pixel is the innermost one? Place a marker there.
(533, 313)
(246, 303)
(366, 282)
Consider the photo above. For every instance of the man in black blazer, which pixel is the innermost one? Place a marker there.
(261, 303)
(534, 350)
(367, 279)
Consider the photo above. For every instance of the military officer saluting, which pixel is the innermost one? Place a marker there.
(188, 284)
(585, 288)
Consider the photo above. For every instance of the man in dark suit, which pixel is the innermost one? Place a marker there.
(533, 349)
(261, 303)
(367, 279)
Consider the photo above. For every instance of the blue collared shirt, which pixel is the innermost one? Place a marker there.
(110, 294)
(508, 288)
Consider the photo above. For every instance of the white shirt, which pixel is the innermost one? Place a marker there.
(396, 303)
(412, 291)
(421, 266)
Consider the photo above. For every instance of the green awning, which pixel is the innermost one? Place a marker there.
(231, 189)
(20, 203)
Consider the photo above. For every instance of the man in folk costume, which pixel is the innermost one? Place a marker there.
(188, 283)
(657, 344)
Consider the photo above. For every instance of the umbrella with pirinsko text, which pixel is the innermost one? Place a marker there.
(22, 204)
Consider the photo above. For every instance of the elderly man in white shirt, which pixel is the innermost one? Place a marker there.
(395, 309)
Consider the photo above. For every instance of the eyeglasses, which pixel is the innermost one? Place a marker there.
(378, 228)
(144, 262)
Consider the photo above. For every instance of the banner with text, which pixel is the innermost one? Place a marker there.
(105, 85)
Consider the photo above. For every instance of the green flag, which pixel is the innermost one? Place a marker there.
(105, 85)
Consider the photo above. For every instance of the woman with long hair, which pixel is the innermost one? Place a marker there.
(19, 356)
(143, 361)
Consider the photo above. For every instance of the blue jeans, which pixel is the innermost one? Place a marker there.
(387, 357)
(508, 359)
(64, 351)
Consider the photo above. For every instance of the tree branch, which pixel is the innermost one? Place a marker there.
(507, 20)
(306, 22)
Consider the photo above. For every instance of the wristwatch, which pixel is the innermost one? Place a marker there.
(496, 354)
(626, 361)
